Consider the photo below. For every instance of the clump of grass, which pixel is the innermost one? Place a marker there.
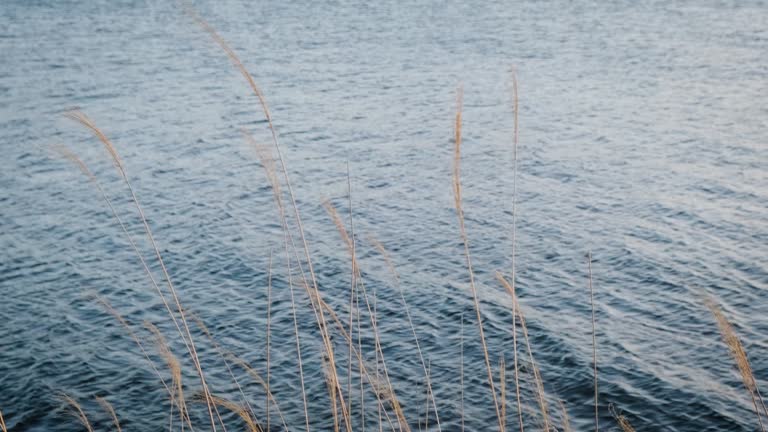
(539, 384)
(111, 411)
(242, 412)
(77, 411)
(739, 355)
(465, 241)
(621, 419)
(327, 319)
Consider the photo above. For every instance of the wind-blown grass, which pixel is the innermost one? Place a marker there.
(333, 331)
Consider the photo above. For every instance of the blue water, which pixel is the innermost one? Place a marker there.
(642, 139)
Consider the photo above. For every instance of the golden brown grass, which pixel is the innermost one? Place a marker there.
(111, 411)
(621, 419)
(467, 255)
(539, 385)
(335, 382)
(299, 261)
(566, 418)
(268, 163)
(259, 380)
(174, 367)
(77, 411)
(396, 406)
(186, 336)
(250, 421)
(594, 337)
(406, 308)
(739, 355)
(515, 144)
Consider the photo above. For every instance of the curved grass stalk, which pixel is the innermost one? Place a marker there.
(258, 378)
(406, 308)
(328, 345)
(621, 419)
(465, 240)
(111, 411)
(201, 325)
(594, 337)
(396, 406)
(515, 145)
(177, 396)
(247, 416)
(739, 355)
(86, 122)
(79, 413)
(267, 162)
(540, 396)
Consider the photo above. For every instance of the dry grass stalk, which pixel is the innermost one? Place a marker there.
(503, 391)
(465, 239)
(111, 310)
(328, 346)
(621, 419)
(539, 385)
(360, 282)
(594, 336)
(566, 418)
(111, 411)
(381, 390)
(269, 333)
(186, 336)
(515, 144)
(222, 353)
(174, 367)
(353, 280)
(739, 355)
(406, 308)
(72, 157)
(268, 163)
(461, 371)
(79, 413)
(2, 423)
(259, 380)
(242, 412)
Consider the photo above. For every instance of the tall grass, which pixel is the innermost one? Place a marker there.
(739, 355)
(333, 331)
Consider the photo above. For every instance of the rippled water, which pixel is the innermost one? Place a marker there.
(643, 131)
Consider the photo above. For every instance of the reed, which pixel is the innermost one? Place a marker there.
(174, 367)
(465, 240)
(269, 337)
(250, 421)
(503, 391)
(393, 271)
(268, 163)
(78, 411)
(299, 262)
(739, 355)
(461, 371)
(594, 337)
(329, 351)
(396, 406)
(259, 380)
(3, 428)
(106, 406)
(621, 419)
(223, 355)
(186, 336)
(539, 385)
(566, 418)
